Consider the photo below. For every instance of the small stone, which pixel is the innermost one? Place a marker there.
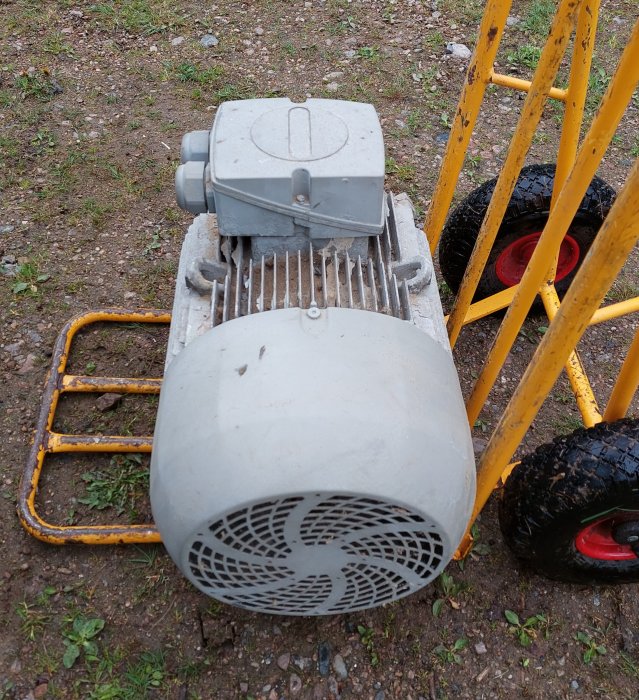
(302, 662)
(333, 688)
(93, 135)
(24, 567)
(323, 658)
(512, 20)
(65, 571)
(332, 87)
(283, 661)
(153, 49)
(479, 445)
(273, 695)
(28, 365)
(259, 31)
(6, 228)
(458, 50)
(106, 402)
(177, 41)
(40, 690)
(442, 138)
(380, 695)
(350, 53)
(16, 666)
(76, 13)
(339, 667)
(209, 40)
(333, 76)
(243, 687)
(436, 14)
(266, 688)
(574, 685)
(480, 648)
(295, 684)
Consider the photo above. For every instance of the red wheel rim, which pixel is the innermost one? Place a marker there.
(512, 261)
(596, 540)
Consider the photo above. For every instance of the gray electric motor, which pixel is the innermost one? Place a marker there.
(311, 453)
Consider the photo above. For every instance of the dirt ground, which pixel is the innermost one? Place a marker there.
(94, 99)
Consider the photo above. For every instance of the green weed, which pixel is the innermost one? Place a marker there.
(449, 590)
(450, 654)
(368, 52)
(593, 648)
(366, 635)
(27, 280)
(55, 44)
(527, 630)
(33, 619)
(38, 84)
(79, 638)
(120, 487)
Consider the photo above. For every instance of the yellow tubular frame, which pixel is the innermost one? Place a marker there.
(47, 441)
(576, 166)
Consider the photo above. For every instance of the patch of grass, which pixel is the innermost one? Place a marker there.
(120, 487)
(192, 73)
(367, 638)
(44, 142)
(539, 16)
(527, 630)
(567, 424)
(56, 45)
(434, 42)
(597, 85)
(526, 55)
(622, 289)
(369, 52)
(33, 619)
(143, 17)
(405, 173)
(95, 211)
(37, 84)
(146, 675)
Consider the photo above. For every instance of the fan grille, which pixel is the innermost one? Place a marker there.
(315, 554)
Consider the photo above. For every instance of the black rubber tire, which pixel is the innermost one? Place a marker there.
(527, 212)
(547, 498)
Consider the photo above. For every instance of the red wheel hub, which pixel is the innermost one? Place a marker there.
(512, 261)
(597, 542)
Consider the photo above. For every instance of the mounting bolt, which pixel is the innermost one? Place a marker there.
(313, 312)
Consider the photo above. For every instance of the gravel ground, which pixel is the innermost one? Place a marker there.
(94, 99)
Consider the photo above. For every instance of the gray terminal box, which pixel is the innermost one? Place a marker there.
(314, 169)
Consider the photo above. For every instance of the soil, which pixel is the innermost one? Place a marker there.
(94, 100)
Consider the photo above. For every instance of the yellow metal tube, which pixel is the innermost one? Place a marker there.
(602, 130)
(509, 81)
(72, 383)
(576, 93)
(615, 241)
(612, 311)
(579, 382)
(58, 442)
(481, 65)
(626, 384)
(531, 112)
